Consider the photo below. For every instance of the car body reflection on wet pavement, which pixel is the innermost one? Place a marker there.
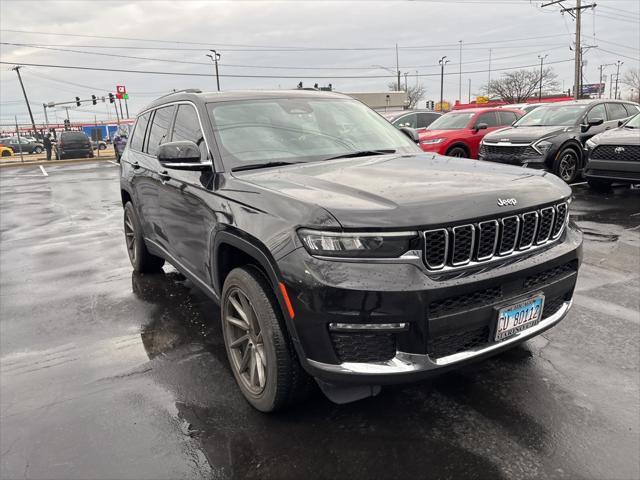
(109, 374)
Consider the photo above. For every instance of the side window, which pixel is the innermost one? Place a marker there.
(631, 109)
(490, 118)
(507, 118)
(187, 127)
(616, 111)
(597, 112)
(425, 119)
(406, 121)
(159, 131)
(138, 132)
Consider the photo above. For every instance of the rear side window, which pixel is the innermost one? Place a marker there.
(616, 111)
(490, 118)
(507, 118)
(631, 109)
(406, 121)
(187, 127)
(73, 136)
(138, 132)
(159, 132)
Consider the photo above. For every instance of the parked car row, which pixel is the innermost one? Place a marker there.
(27, 145)
(551, 136)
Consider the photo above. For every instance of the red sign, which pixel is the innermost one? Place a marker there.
(121, 89)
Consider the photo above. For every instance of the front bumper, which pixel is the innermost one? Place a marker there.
(451, 316)
(519, 155)
(619, 171)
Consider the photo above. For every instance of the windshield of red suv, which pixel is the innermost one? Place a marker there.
(297, 130)
(556, 116)
(452, 121)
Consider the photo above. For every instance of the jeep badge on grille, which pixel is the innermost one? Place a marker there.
(507, 201)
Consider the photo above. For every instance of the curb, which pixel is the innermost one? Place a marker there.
(56, 162)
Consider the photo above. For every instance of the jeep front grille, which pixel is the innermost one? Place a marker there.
(475, 243)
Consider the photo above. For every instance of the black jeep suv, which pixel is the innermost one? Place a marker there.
(336, 249)
(553, 136)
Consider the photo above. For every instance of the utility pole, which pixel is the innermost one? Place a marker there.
(46, 117)
(601, 68)
(398, 67)
(489, 80)
(442, 63)
(215, 56)
(406, 88)
(618, 63)
(469, 91)
(126, 106)
(17, 70)
(541, 57)
(67, 110)
(460, 73)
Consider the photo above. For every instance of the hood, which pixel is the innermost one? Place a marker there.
(524, 134)
(399, 191)
(618, 136)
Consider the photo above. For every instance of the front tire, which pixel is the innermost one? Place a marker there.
(141, 260)
(37, 150)
(260, 352)
(566, 165)
(457, 152)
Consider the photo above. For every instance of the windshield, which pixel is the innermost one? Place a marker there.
(452, 121)
(634, 122)
(293, 130)
(556, 116)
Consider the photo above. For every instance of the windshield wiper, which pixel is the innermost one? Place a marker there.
(362, 153)
(254, 166)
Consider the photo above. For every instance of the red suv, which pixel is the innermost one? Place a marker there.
(458, 133)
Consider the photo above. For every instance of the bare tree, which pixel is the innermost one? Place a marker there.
(415, 93)
(631, 78)
(520, 85)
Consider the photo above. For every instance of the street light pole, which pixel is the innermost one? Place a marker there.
(17, 70)
(618, 63)
(398, 67)
(442, 63)
(489, 80)
(541, 57)
(460, 73)
(215, 56)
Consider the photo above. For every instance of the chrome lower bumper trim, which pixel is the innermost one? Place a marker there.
(410, 362)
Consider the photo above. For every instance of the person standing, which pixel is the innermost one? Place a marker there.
(47, 145)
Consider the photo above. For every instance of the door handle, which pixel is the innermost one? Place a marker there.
(164, 176)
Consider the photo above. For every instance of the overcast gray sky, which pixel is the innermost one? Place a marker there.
(323, 41)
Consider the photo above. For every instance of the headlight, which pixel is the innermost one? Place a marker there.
(356, 245)
(591, 144)
(431, 141)
(542, 146)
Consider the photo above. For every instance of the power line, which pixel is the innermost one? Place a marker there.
(189, 74)
(618, 54)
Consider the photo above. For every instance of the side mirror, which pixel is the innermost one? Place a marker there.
(480, 126)
(620, 123)
(411, 133)
(183, 155)
(591, 123)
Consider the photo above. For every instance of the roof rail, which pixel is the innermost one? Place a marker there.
(186, 90)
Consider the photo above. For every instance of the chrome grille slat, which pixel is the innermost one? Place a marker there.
(465, 245)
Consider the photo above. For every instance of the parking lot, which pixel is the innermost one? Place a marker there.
(109, 374)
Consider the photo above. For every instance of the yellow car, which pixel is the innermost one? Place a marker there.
(5, 151)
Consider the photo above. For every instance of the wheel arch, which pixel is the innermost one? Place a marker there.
(459, 144)
(574, 145)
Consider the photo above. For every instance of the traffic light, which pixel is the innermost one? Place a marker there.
(67, 124)
(111, 98)
(94, 99)
(77, 101)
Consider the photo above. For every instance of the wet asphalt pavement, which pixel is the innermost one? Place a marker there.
(107, 374)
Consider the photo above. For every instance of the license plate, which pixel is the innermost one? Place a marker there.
(518, 317)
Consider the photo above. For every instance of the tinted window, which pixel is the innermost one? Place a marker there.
(138, 132)
(597, 112)
(553, 115)
(187, 127)
(159, 132)
(426, 119)
(616, 111)
(70, 136)
(631, 109)
(407, 121)
(490, 118)
(507, 118)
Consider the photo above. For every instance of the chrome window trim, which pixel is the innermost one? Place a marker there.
(553, 221)
(495, 239)
(535, 231)
(453, 244)
(515, 238)
(446, 248)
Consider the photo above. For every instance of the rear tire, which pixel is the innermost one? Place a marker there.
(141, 260)
(457, 152)
(567, 164)
(599, 185)
(260, 352)
(37, 150)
